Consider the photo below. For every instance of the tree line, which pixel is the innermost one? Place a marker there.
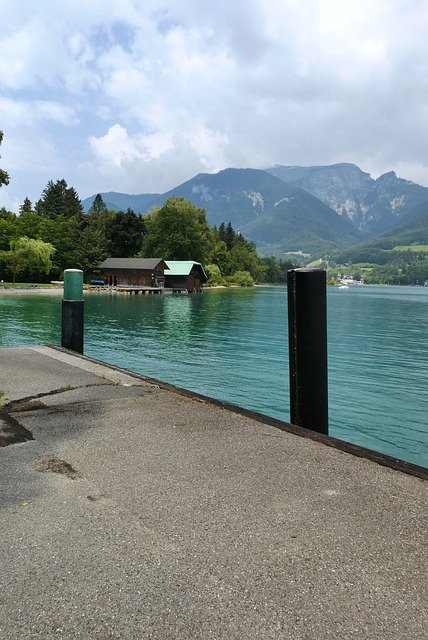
(381, 265)
(56, 234)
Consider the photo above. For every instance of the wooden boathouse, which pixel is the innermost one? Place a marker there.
(153, 275)
(184, 275)
(134, 274)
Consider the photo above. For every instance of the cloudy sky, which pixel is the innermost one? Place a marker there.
(140, 95)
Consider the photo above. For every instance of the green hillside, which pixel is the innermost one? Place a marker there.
(400, 257)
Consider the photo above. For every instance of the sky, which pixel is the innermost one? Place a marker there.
(140, 96)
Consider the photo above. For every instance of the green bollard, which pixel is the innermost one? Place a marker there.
(73, 284)
(72, 311)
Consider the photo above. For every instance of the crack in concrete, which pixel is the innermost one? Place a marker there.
(23, 404)
(11, 430)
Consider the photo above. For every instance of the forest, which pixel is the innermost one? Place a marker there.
(56, 234)
(383, 261)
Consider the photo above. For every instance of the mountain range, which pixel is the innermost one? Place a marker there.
(283, 208)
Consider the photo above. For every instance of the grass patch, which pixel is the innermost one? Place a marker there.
(27, 285)
(412, 247)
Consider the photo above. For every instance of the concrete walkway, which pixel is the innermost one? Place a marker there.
(137, 512)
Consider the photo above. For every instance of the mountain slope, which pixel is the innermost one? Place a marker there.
(279, 217)
(123, 201)
(414, 232)
(374, 206)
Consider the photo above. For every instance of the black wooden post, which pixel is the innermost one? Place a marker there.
(307, 337)
(72, 325)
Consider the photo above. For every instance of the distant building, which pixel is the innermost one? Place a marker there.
(184, 275)
(133, 272)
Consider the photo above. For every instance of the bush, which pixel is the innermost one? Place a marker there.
(241, 279)
(214, 275)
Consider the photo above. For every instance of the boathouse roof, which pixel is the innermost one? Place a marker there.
(132, 263)
(183, 267)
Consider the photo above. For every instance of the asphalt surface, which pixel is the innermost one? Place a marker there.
(137, 512)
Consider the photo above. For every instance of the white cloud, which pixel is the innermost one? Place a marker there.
(121, 155)
(148, 94)
(116, 147)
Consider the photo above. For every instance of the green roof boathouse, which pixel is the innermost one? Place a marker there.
(153, 275)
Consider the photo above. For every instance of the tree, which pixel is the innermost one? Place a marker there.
(228, 234)
(125, 232)
(7, 228)
(243, 257)
(177, 231)
(98, 206)
(276, 269)
(220, 256)
(57, 232)
(214, 275)
(28, 224)
(26, 206)
(59, 200)
(242, 279)
(92, 249)
(28, 254)
(4, 177)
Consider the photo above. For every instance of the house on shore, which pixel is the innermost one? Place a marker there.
(138, 273)
(184, 275)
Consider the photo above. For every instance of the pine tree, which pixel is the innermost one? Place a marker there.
(26, 206)
(59, 200)
(98, 206)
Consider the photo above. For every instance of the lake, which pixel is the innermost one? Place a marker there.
(231, 344)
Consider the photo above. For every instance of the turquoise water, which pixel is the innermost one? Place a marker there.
(232, 345)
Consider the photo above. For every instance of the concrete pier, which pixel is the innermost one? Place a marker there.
(132, 510)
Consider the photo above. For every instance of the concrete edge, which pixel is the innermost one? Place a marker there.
(346, 447)
(97, 368)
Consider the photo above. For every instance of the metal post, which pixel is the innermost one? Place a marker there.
(73, 311)
(307, 336)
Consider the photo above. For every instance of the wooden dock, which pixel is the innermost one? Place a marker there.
(139, 289)
(151, 290)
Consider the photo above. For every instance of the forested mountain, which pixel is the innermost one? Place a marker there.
(397, 257)
(411, 233)
(295, 208)
(374, 206)
(277, 216)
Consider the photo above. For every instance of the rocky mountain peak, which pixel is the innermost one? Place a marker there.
(388, 177)
(373, 206)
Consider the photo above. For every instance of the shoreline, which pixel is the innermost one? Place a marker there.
(17, 290)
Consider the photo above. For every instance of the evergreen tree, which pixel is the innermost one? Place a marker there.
(125, 232)
(25, 207)
(98, 206)
(227, 234)
(91, 247)
(59, 200)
